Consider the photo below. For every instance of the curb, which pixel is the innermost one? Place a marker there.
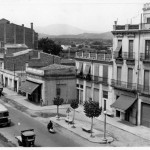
(100, 140)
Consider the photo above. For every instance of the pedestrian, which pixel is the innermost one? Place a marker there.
(41, 101)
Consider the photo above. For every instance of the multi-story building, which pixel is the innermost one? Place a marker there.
(11, 33)
(94, 73)
(131, 70)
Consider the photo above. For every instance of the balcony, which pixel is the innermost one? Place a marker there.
(145, 57)
(126, 27)
(100, 80)
(144, 90)
(123, 85)
(129, 57)
(94, 56)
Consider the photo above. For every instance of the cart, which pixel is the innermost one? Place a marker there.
(27, 138)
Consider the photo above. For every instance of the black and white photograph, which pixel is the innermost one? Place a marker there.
(74, 73)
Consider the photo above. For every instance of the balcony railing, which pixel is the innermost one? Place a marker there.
(144, 57)
(95, 79)
(94, 56)
(123, 85)
(102, 80)
(144, 89)
(129, 55)
(120, 27)
(133, 26)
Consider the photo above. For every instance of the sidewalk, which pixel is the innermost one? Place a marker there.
(140, 131)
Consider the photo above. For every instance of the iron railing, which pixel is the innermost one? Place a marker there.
(143, 89)
(123, 85)
(128, 55)
(144, 56)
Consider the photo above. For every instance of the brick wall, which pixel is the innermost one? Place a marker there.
(19, 35)
(19, 61)
(44, 60)
(9, 33)
(1, 32)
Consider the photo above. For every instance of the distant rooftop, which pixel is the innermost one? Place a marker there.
(55, 67)
(15, 46)
(22, 52)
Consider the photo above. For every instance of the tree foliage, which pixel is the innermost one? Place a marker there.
(92, 109)
(58, 101)
(49, 46)
(74, 104)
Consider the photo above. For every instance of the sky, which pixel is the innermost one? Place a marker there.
(90, 15)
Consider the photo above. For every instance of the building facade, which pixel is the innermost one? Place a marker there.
(48, 82)
(94, 74)
(11, 33)
(131, 70)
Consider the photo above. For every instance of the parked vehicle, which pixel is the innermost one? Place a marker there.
(4, 116)
(27, 138)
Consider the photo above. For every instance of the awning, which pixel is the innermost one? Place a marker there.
(123, 102)
(117, 50)
(87, 69)
(80, 68)
(28, 87)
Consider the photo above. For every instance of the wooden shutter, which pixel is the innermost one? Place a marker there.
(119, 73)
(146, 80)
(96, 95)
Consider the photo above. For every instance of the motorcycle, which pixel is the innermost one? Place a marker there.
(50, 127)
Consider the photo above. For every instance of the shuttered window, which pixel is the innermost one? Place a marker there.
(147, 49)
(88, 93)
(130, 77)
(146, 80)
(105, 73)
(96, 95)
(119, 73)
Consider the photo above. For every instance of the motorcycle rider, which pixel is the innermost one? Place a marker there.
(50, 125)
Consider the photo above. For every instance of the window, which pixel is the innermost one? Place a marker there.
(130, 49)
(146, 80)
(57, 91)
(147, 49)
(77, 85)
(105, 73)
(148, 20)
(119, 73)
(130, 77)
(105, 94)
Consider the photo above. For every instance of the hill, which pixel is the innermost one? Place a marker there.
(105, 35)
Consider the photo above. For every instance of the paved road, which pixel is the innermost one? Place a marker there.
(62, 138)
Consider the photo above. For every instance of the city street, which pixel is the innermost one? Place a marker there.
(62, 138)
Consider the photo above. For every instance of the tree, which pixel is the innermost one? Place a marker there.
(58, 101)
(49, 46)
(74, 104)
(92, 109)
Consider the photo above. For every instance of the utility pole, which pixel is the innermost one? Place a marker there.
(105, 113)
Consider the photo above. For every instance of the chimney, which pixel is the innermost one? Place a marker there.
(23, 33)
(32, 25)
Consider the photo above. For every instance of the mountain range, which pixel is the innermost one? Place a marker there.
(67, 31)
